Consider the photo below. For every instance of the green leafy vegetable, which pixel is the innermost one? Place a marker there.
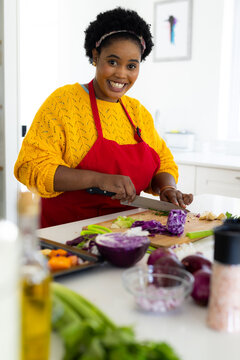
(231, 216)
(160, 212)
(150, 249)
(124, 222)
(88, 334)
(228, 215)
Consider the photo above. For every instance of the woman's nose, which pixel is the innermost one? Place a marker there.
(120, 72)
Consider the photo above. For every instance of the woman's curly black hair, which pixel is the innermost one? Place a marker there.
(113, 20)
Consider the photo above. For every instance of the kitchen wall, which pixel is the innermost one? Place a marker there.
(185, 92)
(43, 49)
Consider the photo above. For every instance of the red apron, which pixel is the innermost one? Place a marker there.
(138, 161)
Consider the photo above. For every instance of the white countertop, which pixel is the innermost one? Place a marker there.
(208, 159)
(185, 329)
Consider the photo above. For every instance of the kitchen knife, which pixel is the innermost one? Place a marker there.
(98, 191)
(140, 201)
(151, 204)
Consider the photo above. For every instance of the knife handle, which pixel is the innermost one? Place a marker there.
(98, 191)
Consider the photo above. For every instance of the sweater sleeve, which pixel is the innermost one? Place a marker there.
(42, 150)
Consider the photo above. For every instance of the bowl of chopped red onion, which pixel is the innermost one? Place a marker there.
(158, 289)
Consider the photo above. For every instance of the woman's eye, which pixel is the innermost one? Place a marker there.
(132, 66)
(112, 62)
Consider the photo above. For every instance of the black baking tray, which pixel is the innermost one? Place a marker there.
(91, 260)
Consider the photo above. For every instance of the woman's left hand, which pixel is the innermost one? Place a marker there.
(176, 197)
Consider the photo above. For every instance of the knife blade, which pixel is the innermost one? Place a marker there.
(140, 201)
(147, 203)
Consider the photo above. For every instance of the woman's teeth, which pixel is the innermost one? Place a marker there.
(116, 85)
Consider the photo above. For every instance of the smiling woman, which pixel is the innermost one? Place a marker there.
(93, 135)
(117, 69)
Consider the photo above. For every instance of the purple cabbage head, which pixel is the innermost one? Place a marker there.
(121, 249)
(176, 221)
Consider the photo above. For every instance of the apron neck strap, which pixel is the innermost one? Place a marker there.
(137, 130)
(95, 108)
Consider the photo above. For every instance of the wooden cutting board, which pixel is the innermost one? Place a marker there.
(192, 224)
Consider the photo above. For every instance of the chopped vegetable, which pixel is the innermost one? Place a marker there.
(199, 234)
(229, 215)
(123, 249)
(87, 333)
(175, 222)
(232, 220)
(95, 229)
(60, 259)
(99, 227)
(46, 252)
(122, 222)
(74, 260)
(161, 299)
(58, 252)
(85, 242)
(152, 226)
(81, 239)
(59, 263)
(160, 212)
(208, 215)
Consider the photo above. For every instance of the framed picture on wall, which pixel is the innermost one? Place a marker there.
(173, 27)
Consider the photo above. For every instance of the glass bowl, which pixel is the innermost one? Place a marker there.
(159, 288)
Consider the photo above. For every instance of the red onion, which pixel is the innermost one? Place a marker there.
(195, 262)
(159, 253)
(201, 286)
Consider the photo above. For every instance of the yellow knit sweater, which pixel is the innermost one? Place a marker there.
(63, 131)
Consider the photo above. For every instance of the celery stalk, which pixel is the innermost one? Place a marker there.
(99, 227)
(89, 334)
(199, 234)
(84, 308)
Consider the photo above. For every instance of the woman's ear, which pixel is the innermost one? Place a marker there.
(95, 55)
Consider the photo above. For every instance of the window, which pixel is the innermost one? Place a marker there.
(229, 90)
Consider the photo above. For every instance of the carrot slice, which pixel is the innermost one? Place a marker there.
(74, 260)
(59, 252)
(59, 263)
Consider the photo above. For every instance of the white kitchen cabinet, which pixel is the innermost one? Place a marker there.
(186, 180)
(209, 173)
(217, 181)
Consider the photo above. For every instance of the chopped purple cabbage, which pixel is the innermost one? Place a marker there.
(89, 245)
(80, 239)
(85, 242)
(175, 222)
(152, 226)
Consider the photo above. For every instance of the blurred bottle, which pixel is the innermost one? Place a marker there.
(35, 284)
(9, 281)
(224, 302)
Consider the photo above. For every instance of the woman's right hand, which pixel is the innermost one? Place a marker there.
(119, 184)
